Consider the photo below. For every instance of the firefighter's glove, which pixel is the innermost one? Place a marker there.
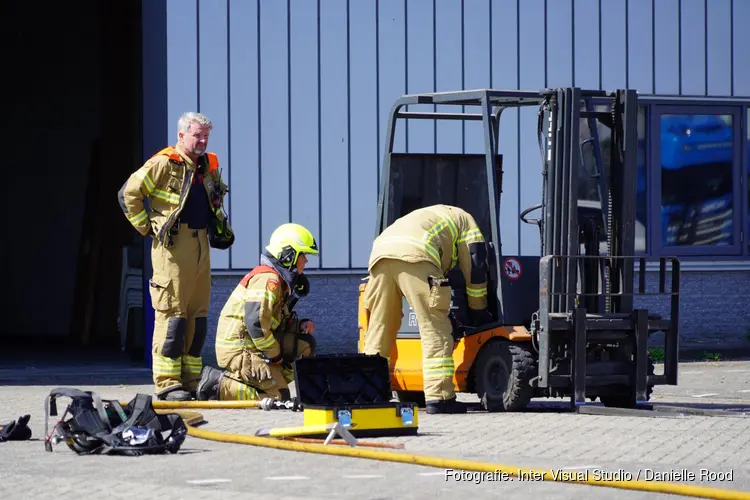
(301, 285)
(16, 431)
(259, 369)
(479, 317)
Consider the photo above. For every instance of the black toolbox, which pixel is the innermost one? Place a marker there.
(354, 390)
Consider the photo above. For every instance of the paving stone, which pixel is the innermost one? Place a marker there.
(539, 439)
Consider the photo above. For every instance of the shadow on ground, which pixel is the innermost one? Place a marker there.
(61, 378)
(70, 367)
(654, 410)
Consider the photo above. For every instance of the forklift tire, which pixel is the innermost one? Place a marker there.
(502, 373)
(625, 400)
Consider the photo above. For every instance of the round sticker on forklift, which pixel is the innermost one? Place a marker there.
(512, 268)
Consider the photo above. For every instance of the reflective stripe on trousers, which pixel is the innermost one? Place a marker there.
(191, 365)
(166, 367)
(437, 368)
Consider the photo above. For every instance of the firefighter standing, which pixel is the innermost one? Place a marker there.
(177, 198)
(410, 258)
(258, 337)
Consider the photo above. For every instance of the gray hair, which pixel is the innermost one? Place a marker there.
(192, 117)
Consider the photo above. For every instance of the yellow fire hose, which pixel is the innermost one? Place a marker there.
(202, 405)
(399, 446)
(281, 432)
(193, 418)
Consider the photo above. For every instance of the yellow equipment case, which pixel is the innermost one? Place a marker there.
(355, 391)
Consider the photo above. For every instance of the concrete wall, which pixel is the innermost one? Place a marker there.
(332, 305)
(716, 313)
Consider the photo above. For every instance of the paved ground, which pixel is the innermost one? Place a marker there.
(542, 438)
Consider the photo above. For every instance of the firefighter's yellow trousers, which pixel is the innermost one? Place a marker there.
(238, 383)
(180, 293)
(389, 281)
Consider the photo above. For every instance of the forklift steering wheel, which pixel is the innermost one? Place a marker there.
(529, 210)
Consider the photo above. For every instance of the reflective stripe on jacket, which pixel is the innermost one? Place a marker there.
(155, 194)
(443, 235)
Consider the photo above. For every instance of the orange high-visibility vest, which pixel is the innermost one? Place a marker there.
(175, 156)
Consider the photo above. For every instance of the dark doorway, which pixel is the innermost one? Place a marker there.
(74, 134)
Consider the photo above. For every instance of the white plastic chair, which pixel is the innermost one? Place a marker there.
(131, 294)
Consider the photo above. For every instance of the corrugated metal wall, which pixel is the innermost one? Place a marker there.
(298, 91)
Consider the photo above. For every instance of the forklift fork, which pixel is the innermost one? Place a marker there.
(662, 410)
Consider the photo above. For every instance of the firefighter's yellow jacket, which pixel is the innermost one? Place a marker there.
(155, 194)
(254, 310)
(443, 235)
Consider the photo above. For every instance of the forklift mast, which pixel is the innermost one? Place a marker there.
(572, 226)
(588, 254)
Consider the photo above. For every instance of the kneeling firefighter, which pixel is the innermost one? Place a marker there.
(259, 335)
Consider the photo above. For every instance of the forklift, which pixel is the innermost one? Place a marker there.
(565, 323)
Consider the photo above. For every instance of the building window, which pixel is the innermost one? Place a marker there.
(697, 203)
(694, 162)
(689, 199)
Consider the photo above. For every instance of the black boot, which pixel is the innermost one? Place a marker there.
(16, 430)
(208, 386)
(445, 406)
(178, 394)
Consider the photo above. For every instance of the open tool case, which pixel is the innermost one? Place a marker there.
(355, 391)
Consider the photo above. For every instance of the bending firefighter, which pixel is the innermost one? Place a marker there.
(258, 335)
(410, 259)
(177, 197)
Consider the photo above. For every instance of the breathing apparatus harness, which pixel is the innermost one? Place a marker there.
(98, 426)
